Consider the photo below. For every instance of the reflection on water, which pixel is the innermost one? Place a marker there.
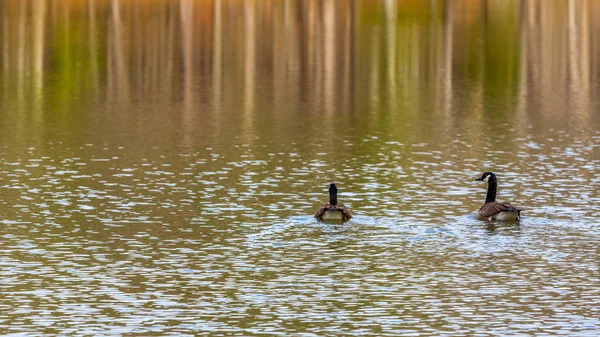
(160, 162)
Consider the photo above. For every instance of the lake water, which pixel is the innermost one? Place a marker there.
(160, 162)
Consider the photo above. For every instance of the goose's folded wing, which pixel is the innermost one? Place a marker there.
(345, 210)
(321, 211)
(492, 208)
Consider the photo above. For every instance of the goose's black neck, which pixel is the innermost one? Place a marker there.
(492, 188)
(332, 195)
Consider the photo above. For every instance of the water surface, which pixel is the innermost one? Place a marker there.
(160, 162)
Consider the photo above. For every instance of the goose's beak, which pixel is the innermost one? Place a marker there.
(479, 179)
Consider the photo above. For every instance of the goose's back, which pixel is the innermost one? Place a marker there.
(499, 211)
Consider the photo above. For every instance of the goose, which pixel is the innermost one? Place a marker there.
(493, 210)
(333, 210)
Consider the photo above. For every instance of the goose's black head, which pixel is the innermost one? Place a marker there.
(487, 177)
(332, 194)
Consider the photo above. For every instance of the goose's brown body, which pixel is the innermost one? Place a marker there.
(331, 212)
(499, 211)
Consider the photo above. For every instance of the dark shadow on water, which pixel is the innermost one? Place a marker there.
(495, 226)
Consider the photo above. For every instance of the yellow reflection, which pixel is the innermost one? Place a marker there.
(398, 59)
